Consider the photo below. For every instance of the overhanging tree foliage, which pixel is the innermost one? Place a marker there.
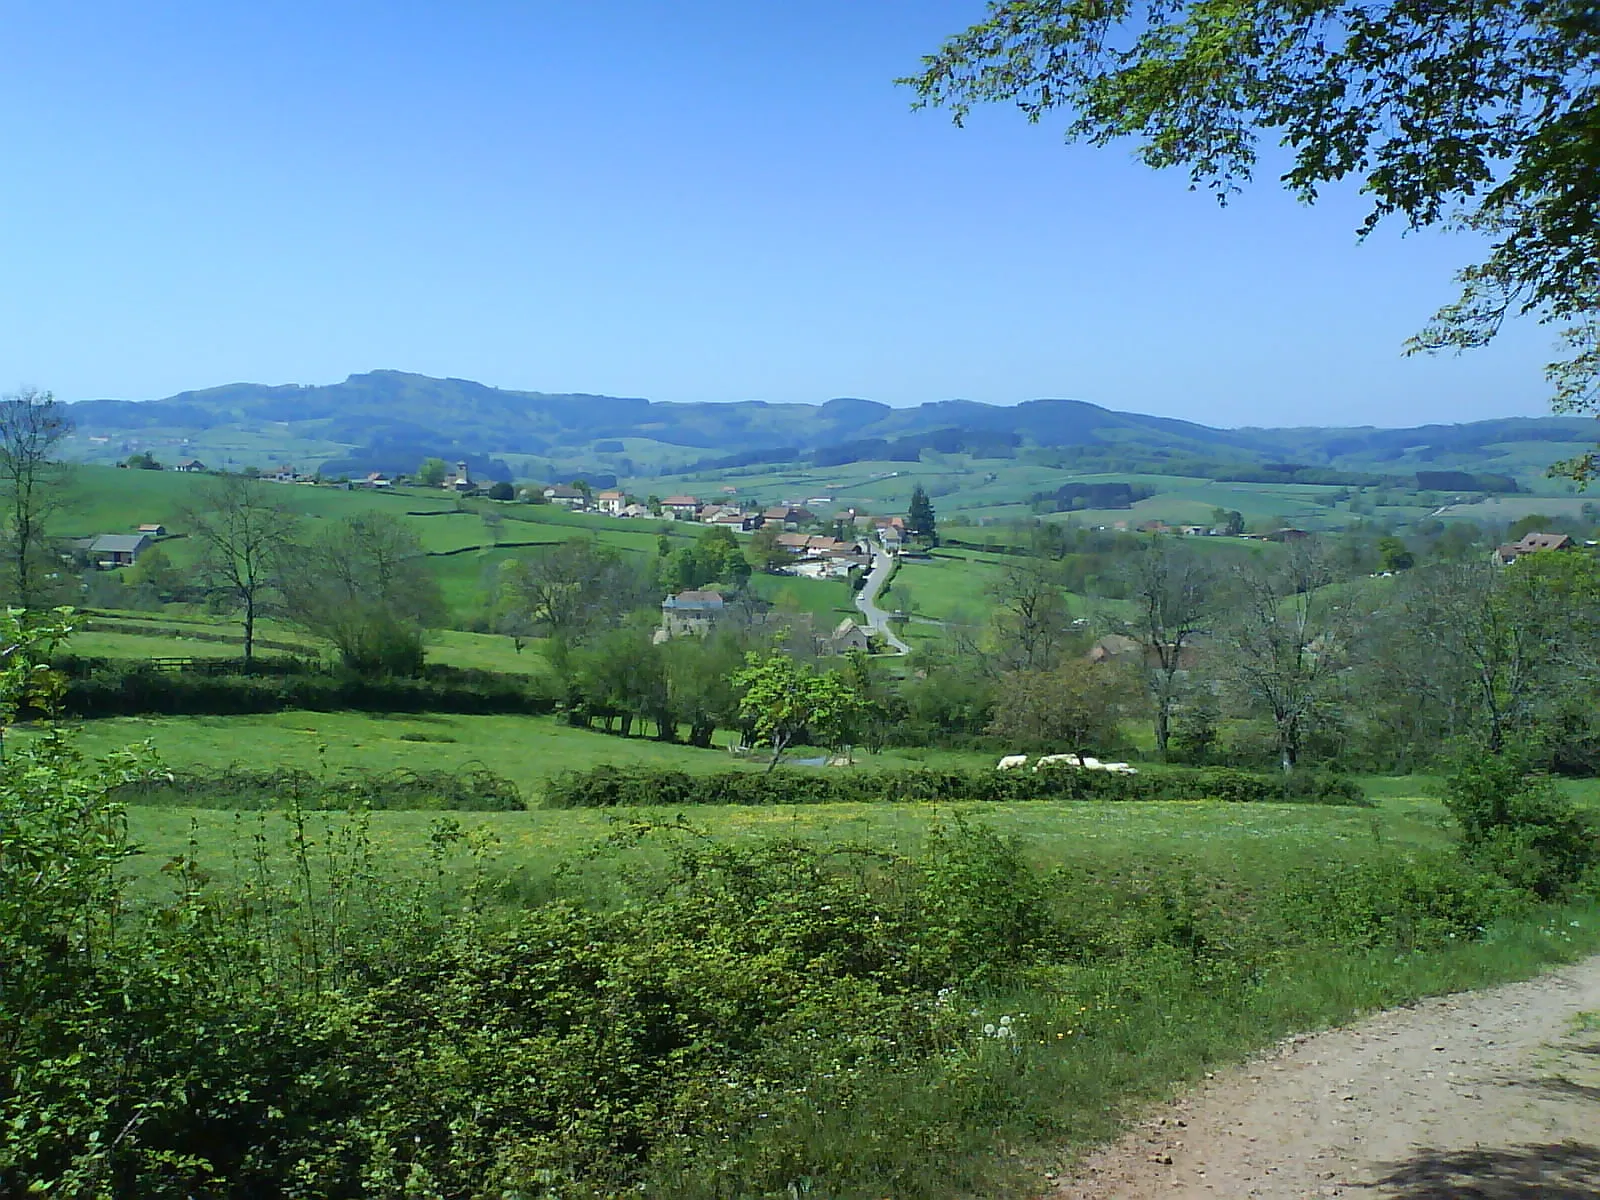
(1484, 116)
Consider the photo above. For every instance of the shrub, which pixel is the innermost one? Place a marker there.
(1414, 902)
(1519, 825)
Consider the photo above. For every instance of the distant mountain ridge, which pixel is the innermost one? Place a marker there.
(390, 420)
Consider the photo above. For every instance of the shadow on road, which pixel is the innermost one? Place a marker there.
(1560, 1171)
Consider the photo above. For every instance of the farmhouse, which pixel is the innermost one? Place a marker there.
(680, 508)
(690, 613)
(154, 531)
(189, 464)
(1531, 543)
(566, 497)
(847, 636)
(117, 549)
(611, 502)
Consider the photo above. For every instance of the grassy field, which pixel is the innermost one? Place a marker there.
(196, 634)
(525, 749)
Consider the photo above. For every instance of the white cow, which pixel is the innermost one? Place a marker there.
(1121, 768)
(1011, 761)
(1052, 760)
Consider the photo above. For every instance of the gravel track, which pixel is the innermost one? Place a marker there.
(1491, 1095)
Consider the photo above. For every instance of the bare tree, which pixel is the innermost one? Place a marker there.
(243, 533)
(1290, 642)
(32, 485)
(1172, 591)
(1030, 616)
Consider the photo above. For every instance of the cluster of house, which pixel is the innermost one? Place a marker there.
(1287, 534)
(697, 613)
(615, 503)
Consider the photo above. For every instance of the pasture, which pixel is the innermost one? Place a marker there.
(525, 749)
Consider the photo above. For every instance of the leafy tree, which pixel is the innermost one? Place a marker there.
(154, 571)
(621, 675)
(1532, 523)
(243, 534)
(700, 684)
(763, 551)
(784, 700)
(1447, 112)
(363, 583)
(1495, 651)
(1069, 710)
(143, 461)
(432, 472)
(570, 590)
(920, 522)
(1394, 556)
(1230, 521)
(501, 490)
(33, 486)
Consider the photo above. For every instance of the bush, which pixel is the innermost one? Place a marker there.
(1413, 902)
(1519, 826)
(612, 786)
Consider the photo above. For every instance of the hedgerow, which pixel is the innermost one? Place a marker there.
(108, 688)
(472, 788)
(609, 786)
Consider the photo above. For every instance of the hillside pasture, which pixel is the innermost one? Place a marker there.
(525, 749)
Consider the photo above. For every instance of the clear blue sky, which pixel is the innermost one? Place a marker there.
(703, 200)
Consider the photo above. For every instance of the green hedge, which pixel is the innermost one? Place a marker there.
(471, 789)
(612, 786)
(114, 690)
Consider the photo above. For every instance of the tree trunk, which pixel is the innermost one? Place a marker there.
(1163, 725)
(778, 747)
(249, 626)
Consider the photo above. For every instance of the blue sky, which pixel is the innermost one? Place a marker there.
(705, 200)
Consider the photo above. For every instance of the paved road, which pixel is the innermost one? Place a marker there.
(867, 599)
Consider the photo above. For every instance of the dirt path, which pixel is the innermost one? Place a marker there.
(1491, 1095)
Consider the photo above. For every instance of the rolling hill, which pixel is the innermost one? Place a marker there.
(390, 420)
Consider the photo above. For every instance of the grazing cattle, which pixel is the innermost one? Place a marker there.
(1089, 763)
(1010, 761)
(1121, 768)
(1051, 760)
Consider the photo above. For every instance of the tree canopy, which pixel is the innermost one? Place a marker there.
(1477, 116)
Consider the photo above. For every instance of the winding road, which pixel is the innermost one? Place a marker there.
(867, 599)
